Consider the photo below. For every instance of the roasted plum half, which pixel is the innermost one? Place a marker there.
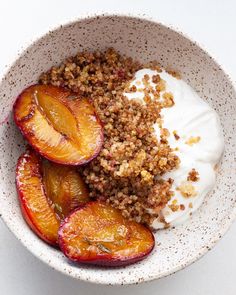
(60, 125)
(48, 192)
(96, 233)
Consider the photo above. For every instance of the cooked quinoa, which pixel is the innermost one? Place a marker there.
(193, 175)
(128, 171)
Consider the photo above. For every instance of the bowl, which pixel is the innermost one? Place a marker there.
(143, 40)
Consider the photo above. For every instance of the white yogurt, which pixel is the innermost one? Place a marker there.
(189, 117)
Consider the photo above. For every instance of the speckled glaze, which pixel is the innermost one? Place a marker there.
(144, 40)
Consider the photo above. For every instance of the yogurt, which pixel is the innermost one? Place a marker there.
(200, 144)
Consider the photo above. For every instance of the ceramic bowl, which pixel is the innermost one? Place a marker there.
(144, 40)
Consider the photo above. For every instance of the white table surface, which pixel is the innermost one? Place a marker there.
(210, 22)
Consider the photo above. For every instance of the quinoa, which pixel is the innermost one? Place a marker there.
(128, 171)
(177, 137)
(193, 140)
(193, 175)
(174, 73)
(186, 189)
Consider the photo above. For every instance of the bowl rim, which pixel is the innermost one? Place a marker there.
(137, 16)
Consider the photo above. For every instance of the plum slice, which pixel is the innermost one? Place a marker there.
(34, 203)
(61, 126)
(98, 234)
(64, 187)
(48, 192)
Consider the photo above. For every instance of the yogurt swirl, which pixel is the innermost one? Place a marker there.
(196, 133)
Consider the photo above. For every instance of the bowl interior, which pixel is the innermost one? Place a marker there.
(144, 40)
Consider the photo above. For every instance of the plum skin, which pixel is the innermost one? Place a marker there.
(102, 259)
(29, 138)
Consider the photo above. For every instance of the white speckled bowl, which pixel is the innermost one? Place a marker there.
(143, 40)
